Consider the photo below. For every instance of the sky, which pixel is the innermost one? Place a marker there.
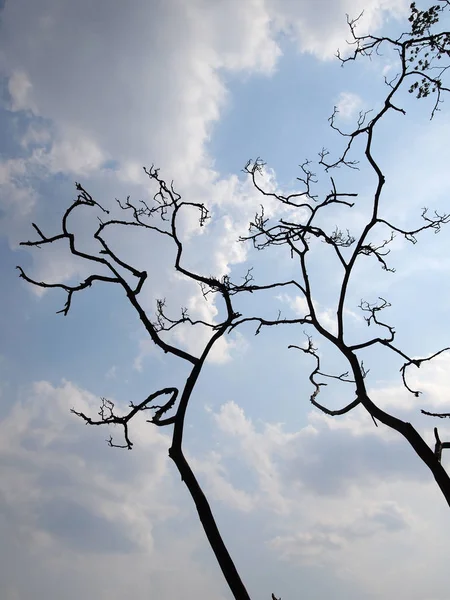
(310, 506)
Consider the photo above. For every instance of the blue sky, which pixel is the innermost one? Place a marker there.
(310, 506)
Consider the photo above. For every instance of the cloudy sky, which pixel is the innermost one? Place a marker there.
(311, 507)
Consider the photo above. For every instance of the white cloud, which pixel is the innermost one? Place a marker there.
(352, 447)
(257, 449)
(17, 198)
(431, 380)
(11, 169)
(192, 338)
(353, 503)
(75, 507)
(36, 135)
(298, 304)
(104, 105)
(348, 105)
(147, 348)
(19, 88)
(218, 486)
(241, 35)
(135, 112)
(76, 153)
(318, 28)
(149, 84)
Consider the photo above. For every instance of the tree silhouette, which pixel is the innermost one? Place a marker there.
(423, 60)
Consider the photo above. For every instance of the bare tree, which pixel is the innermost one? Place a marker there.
(422, 54)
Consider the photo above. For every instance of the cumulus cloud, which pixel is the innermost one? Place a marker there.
(126, 99)
(339, 499)
(76, 153)
(149, 84)
(76, 508)
(105, 106)
(259, 456)
(325, 457)
(120, 106)
(218, 485)
(318, 28)
(40, 433)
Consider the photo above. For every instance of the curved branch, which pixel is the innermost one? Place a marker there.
(310, 349)
(70, 289)
(109, 417)
(417, 362)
